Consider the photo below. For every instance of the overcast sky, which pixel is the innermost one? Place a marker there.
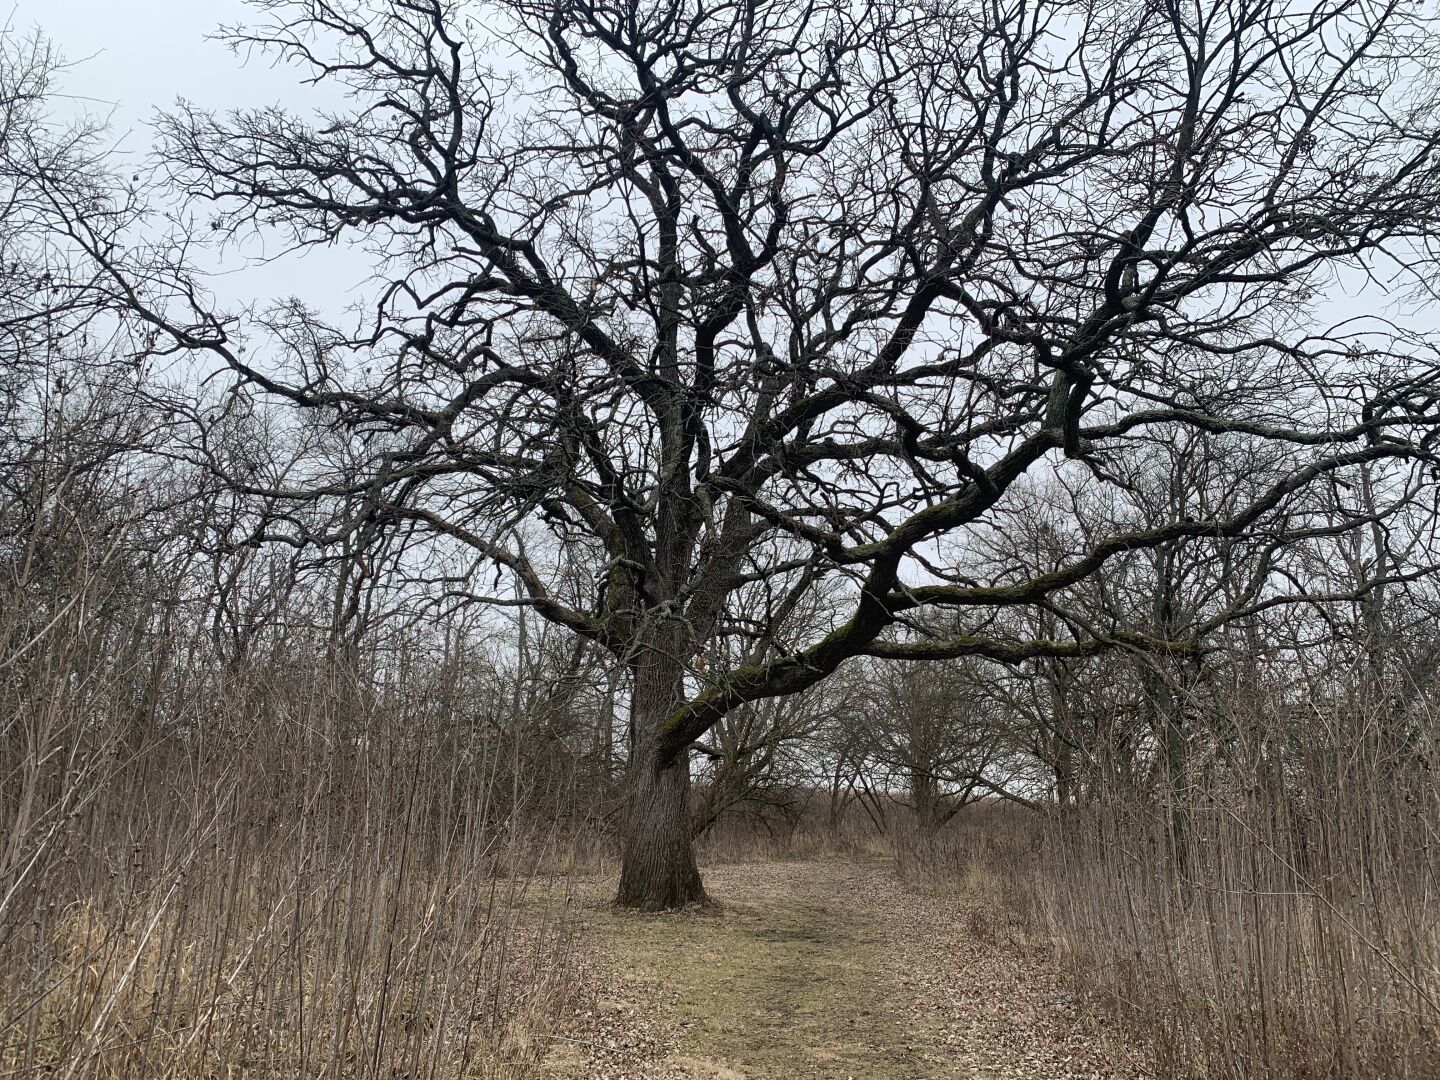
(131, 57)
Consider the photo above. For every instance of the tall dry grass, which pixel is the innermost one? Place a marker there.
(1289, 931)
(286, 866)
(1292, 927)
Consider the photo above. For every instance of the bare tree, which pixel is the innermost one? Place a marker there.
(931, 733)
(757, 760)
(683, 299)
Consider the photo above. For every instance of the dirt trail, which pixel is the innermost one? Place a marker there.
(818, 969)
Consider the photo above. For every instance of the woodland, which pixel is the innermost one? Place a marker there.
(962, 477)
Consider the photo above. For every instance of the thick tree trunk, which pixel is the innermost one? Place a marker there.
(1060, 734)
(1064, 765)
(657, 862)
(925, 795)
(657, 853)
(1168, 718)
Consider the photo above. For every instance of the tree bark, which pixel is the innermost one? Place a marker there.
(925, 795)
(1061, 732)
(657, 854)
(1168, 720)
(1064, 769)
(657, 862)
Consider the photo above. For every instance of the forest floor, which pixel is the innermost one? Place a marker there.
(822, 969)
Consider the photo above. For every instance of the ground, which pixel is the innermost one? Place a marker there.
(823, 969)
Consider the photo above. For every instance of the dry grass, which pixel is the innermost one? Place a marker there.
(1251, 955)
(312, 862)
(1290, 932)
(268, 870)
(821, 968)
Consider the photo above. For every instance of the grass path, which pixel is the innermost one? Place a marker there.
(821, 969)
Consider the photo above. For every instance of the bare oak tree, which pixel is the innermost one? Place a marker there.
(680, 301)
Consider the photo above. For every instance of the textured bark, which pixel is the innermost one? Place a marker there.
(1064, 772)
(657, 856)
(657, 869)
(925, 796)
(1061, 733)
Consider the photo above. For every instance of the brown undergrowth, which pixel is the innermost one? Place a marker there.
(821, 968)
(1289, 935)
(1290, 931)
(211, 873)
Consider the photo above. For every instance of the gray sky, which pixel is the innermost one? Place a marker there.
(131, 57)
(140, 54)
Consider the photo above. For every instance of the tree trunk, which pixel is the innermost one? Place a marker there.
(1061, 732)
(1064, 768)
(657, 853)
(657, 861)
(925, 795)
(1168, 719)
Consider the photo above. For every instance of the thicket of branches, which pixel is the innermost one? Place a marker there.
(857, 412)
